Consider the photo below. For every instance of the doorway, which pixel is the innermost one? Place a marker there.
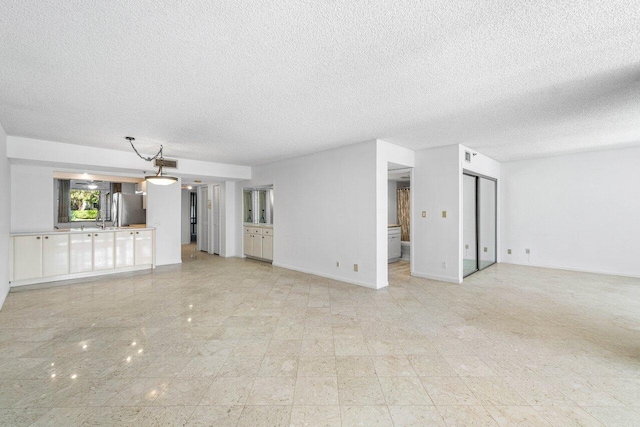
(399, 220)
(479, 228)
(193, 216)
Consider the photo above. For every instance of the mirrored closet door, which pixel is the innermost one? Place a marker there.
(479, 203)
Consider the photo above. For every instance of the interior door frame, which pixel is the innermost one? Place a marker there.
(477, 177)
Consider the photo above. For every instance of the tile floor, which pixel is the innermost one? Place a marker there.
(229, 342)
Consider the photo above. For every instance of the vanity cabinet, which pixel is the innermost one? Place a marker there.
(143, 247)
(103, 247)
(394, 244)
(81, 252)
(55, 254)
(124, 249)
(27, 252)
(258, 242)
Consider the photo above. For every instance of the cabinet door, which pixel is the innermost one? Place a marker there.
(144, 247)
(390, 247)
(397, 247)
(27, 257)
(248, 244)
(257, 246)
(81, 252)
(103, 245)
(55, 255)
(267, 247)
(124, 249)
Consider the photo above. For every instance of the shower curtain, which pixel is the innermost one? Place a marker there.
(404, 213)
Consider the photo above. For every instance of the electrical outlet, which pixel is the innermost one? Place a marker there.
(424, 214)
(486, 249)
(466, 246)
(444, 264)
(355, 267)
(337, 263)
(527, 251)
(444, 214)
(509, 251)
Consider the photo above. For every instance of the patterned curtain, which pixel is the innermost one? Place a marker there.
(404, 213)
(64, 200)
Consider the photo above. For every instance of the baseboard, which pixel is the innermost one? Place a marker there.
(435, 277)
(580, 270)
(3, 297)
(328, 276)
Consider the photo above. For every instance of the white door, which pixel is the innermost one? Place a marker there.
(103, 247)
(267, 247)
(248, 243)
(203, 219)
(216, 219)
(144, 247)
(80, 252)
(55, 255)
(124, 249)
(257, 245)
(27, 257)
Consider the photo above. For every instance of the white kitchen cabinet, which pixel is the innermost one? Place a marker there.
(103, 248)
(27, 259)
(125, 255)
(267, 247)
(258, 242)
(80, 252)
(248, 243)
(394, 244)
(55, 255)
(143, 247)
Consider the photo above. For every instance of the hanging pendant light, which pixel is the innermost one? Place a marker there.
(159, 178)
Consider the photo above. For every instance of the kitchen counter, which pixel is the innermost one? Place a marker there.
(48, 256)
(79, 230)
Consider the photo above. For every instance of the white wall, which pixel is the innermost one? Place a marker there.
(31, 198)
(392, 200)
(229, 222)
(578, 212)
(436, 187)
(5, 216)
(80, 157)
(324, 212)
(185, 217)
(164, 213)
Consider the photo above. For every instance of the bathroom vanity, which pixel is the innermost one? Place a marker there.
(394, 243)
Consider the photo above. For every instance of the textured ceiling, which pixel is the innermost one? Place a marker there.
(256, 81)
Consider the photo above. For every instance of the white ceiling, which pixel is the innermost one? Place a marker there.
(252, 82)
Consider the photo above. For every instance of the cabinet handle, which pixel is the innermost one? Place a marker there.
(46, 237)
(88, 235)
(96, 234)
(38, 237)
(131, 232)
(137, 232)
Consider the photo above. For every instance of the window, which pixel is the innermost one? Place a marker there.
(78, 200)
(85, 205)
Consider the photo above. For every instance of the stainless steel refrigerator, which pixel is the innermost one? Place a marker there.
(127, 209)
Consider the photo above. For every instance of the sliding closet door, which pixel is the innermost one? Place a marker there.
(469, 230)
(487, 222)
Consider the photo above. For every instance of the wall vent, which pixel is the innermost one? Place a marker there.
(166, 163)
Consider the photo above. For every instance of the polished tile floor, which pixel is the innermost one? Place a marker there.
(230, 342)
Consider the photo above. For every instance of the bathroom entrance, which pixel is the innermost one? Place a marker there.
(399, 219)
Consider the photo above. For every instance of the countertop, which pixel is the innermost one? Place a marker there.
(78, 230)
(250, 224)
(394, 225)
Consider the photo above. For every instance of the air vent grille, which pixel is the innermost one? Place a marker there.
(166, 163)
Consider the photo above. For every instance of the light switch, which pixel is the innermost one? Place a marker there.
(444, 214)
(424, 214)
